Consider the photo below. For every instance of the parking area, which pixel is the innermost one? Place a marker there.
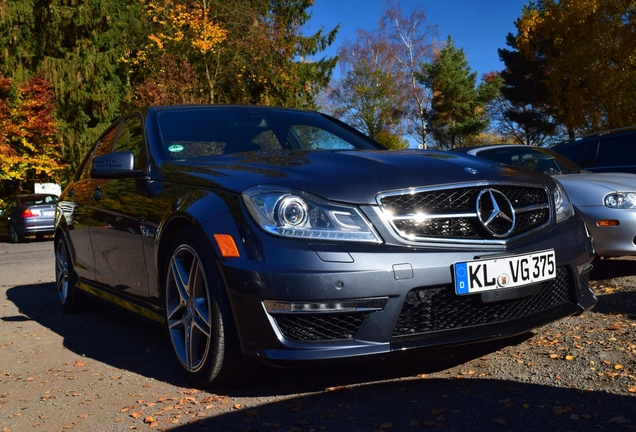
(103, 370)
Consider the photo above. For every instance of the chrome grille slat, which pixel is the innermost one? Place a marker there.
(452, 213)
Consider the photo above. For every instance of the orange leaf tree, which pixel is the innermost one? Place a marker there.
(215, 51)
(28, 148)
(587, 47)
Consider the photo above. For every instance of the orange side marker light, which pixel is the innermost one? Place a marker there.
(226, 244)
(605, 223)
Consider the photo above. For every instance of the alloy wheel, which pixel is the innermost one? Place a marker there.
(61, 271)
(188, 309)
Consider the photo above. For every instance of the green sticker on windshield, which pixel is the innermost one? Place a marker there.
(175, 148)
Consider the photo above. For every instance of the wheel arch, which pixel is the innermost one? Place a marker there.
(209, 215)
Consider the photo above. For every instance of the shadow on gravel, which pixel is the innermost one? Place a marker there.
(353, 397)
(614, 268)
(441, 404)
(621, 302)
(125, 342)
(100, 333)
(621, 299)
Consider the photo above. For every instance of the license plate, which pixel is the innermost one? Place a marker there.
(48, 213)
(506, 272)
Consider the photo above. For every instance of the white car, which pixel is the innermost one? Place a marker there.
(605, 201)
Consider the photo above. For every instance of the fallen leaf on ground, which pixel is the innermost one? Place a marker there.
(620, 420)
(561, 409)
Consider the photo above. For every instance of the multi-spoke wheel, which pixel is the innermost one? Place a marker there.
(65, 277)
(197, 313)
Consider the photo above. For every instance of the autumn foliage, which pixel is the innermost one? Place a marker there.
(28, 148)
(587, 50)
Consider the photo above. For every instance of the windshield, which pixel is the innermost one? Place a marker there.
(532, 158)
(208, 131)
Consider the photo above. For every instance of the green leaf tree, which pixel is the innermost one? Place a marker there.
(459, 105)
(368, 99)
(76, 46)
(237, 52)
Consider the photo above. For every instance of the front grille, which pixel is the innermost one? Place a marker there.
(437, 309)
(452, 214)
(320, 327)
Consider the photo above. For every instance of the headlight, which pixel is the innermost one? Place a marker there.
(297, 214)
(621, 200)
(564, 208)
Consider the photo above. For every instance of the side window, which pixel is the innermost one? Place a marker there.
(131, 138)
(106, 142)
(617, 151)
(104, 146)
(582, 153)
(82, 171)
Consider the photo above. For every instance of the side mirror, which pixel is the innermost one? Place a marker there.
(115, 165)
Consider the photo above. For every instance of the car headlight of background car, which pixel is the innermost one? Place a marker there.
(621, 200)
(564, 208)
(289, 213)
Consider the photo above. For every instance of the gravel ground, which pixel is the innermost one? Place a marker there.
(104, 371)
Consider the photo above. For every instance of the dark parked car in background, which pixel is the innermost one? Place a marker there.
(288, 237)
(610, 151)
(27, 215)
(605, 201)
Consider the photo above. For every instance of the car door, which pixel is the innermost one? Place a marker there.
(116, 215)
(76, 206)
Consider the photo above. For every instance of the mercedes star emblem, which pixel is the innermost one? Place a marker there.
(495, 212)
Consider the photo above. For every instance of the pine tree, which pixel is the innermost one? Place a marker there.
(527, 115)
(76, 45)
(458, 106)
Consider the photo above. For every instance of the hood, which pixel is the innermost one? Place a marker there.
(588, 188)
(345, 176)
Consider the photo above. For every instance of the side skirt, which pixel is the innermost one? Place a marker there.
(122, 303)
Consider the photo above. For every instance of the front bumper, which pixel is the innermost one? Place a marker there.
(609, 241)
(306, 302)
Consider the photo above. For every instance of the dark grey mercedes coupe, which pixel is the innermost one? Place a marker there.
(288, 237)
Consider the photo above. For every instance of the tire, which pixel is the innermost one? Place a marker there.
(198, 316)
(65, 278)
(14, 237)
